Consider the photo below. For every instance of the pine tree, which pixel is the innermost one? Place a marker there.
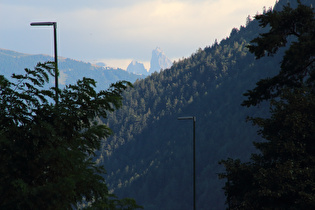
(282, 175)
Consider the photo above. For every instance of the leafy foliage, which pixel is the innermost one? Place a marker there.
(47, 149)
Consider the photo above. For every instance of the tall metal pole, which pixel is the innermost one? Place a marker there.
(54, 24)
(194, 156)
(194, 159)
(56, 61)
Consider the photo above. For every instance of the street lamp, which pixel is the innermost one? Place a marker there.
(54, 24)
(194, 154)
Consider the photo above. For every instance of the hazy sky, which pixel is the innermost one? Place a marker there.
(117, 31)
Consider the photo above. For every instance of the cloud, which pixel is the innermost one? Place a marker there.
(129, 29)
(176, 23)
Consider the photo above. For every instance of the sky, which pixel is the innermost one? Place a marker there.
(118, 31)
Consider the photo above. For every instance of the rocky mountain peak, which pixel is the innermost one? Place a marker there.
(137, 68)
(159, 61)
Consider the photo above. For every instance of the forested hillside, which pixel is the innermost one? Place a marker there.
(149, 158)
(70, 70)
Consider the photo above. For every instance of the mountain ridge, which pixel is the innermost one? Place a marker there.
(70, 69)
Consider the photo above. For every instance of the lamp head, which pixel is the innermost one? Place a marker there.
(43, 24)
(187, 118)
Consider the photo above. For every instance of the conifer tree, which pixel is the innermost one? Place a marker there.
(282, 174)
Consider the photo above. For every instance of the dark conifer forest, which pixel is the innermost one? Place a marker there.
(149, 157)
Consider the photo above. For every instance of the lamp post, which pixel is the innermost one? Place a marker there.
(54, 24)
(194, 154)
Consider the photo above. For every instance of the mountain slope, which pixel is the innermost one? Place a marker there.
(150, 156)
(70, 70)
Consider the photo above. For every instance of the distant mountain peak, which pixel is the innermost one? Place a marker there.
(137, 68)
(159, 61)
